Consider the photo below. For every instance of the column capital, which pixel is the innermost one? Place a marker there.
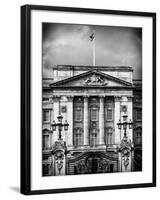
(129, 98)
(56, 98)
(117, 98)
(70, 97)
(85, 97)
(102, 96)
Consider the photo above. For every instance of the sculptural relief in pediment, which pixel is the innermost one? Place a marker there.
(95, 80)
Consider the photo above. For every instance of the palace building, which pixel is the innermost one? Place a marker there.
(91, 100)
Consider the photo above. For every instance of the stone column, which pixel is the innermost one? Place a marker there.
(70, 121)
(101, 120)
(117, 117)
(85, 121)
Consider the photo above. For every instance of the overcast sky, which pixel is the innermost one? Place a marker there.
(70, 44)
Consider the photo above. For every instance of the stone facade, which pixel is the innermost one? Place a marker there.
(92, 100)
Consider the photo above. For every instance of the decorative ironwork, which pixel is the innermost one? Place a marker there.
(103, 164)
(93, 164)
(60, 125)
(124, 124)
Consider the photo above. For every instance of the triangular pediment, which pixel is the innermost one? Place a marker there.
(92, 79)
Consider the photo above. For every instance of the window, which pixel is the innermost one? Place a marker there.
(94, 114)
(109, 114)
(109, 111)
(78, 139)
(138, 114)
(46, 116)
(45, 169)
(45, 99)
(46, 144)
(93, 137)
(78, 114)
(109, 136)
(138, 136)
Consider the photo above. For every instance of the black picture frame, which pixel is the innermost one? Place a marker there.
(26, 98)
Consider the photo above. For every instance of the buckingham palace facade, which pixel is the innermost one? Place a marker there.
(92, 100)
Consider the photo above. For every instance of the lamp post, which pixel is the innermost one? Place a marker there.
(59, 151)
(124, 124)
(59, 125)
(126, 145)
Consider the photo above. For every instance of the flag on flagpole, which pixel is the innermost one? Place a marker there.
(91, 37)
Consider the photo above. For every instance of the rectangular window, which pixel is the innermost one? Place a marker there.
(109, 114)
(139, 115)
(45, 99)
(109, 136)
(78, 139)
(46, 116)
(45, 169)
(46, 142)
(94, 114)
(109, 111)
(93, 137)
(138, 136)
(78, 114)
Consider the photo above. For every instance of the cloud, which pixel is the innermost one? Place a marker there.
(70, 44)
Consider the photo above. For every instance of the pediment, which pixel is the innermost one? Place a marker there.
(91, 79)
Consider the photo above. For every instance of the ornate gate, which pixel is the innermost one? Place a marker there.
(93, 162)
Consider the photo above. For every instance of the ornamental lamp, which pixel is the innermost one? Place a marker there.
(125, 125)
(119, 124)
(130, 124)
(125, 118)
(54, 125)
(60, 117)
(66, 125)
(60, 125)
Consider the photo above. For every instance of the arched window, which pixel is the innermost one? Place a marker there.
(138, 136)
(93, 137)
(78, 137)
(109, 135)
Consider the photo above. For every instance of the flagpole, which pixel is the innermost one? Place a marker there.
(94, 50)
(93, 40)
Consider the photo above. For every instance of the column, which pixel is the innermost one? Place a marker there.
(101, 120)
(85, 121)
(117, 117)
(70, 121)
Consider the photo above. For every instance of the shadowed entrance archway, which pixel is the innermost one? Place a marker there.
(93, 162)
